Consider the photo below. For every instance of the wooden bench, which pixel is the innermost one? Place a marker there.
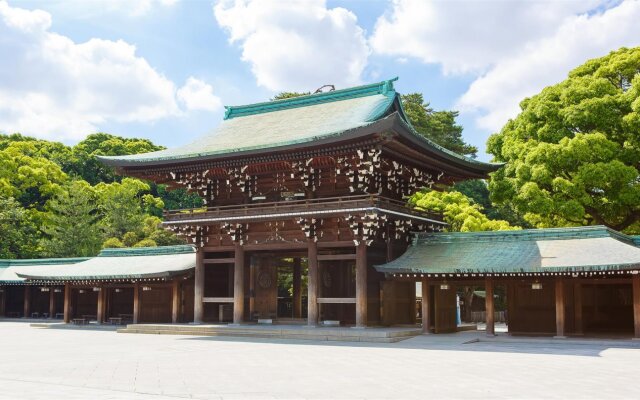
(115, 320)
(79, 321)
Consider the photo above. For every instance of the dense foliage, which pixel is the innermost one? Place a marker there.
(460, 212)
(573, 153)
(59, 201)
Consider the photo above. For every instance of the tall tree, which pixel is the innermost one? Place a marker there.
(71, 225)
(573, 152)
(18, 234)
(438, 126)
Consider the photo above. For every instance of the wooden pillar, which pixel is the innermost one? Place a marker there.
(489, 307)
(136, 302)
(198, 290)
(560, 314)
(101, 305)
(361, 285)
(577, 307)
(252, 286)
(238, 285)
(27, 301)
(426, 302)
(297, 288)
(52, 302)
(312, 284)
(636, 305)
(67, 303)
(3, 301)
(175, 303)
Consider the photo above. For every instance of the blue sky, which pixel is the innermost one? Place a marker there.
(162, 69)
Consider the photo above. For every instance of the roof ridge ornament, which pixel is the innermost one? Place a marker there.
(332, 88)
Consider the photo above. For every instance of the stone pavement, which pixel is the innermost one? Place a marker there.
(77, 364)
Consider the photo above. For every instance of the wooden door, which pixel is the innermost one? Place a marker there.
(445, 309)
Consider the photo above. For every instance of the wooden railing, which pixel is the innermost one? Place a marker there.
(298, 206)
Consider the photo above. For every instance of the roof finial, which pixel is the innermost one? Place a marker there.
(320, 89)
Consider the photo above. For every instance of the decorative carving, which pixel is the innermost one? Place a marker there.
(310, 227)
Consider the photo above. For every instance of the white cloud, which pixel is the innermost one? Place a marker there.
(296, 45)
(467, 36)
(496, 95)
(198, 95)
(55, 88)
(512, 48)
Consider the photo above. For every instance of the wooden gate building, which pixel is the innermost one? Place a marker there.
(317, 183)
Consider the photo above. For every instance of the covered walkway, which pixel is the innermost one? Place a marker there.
(558, 282)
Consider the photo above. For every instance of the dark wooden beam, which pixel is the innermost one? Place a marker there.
(297, 288)
(636, 305)
(101, 305)
(219, 261)
(312, 284)
(336, 300)
(27, 301)
(489, 307)
(361, 285)
(136, 303)
(175, 301)
(67, 303)
(198, 289)
(426, 299)
(238, 285)
(336, 257)
(52, 302)
(560, 308)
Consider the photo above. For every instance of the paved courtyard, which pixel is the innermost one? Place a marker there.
(83, 364)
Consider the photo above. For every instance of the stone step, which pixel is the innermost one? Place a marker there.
(378, 335)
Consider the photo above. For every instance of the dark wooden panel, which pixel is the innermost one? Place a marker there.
(445, 310)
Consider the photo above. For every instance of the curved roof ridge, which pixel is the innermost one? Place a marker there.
(592, 231)
(385, 88)
(147, 251)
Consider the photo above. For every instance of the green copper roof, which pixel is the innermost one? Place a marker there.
(126, 263)
(592, 248)
(295, 121)
(9, 269)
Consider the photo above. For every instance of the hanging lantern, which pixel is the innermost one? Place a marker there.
(44, 289)
(536, 286)
(118, 290)
(96, 289)
(146, 288)
(444, 286)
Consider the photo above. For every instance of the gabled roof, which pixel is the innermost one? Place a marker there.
(591, 248)
(301, 121)
(9, 269)
(127, 263)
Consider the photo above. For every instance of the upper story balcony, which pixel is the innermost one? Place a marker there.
(308, 208)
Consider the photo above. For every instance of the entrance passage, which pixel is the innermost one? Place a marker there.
(292, 288)
(279, 286)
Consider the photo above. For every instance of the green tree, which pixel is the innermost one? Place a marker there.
(18, 234)
(87, 166)
(478, 191)
(438, 126)
(124, 206)
(573, 152)
(460, 212)
(71, 225)
(28, 177)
